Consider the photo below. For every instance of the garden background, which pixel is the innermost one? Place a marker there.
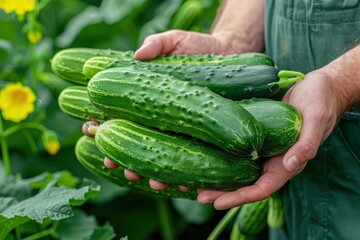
(44, 191)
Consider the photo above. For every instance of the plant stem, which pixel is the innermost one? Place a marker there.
(43, 233)
(4, 149)
(20, 126)
(223, 222)
(30, 141)
(166, 228)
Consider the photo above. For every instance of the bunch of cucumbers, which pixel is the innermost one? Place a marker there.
(203, 121)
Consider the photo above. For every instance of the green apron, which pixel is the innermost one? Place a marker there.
(323, 201)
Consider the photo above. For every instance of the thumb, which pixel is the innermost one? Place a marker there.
(158, 44)
(148, 50)
(304, 149)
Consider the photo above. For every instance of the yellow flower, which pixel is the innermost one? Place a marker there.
(16, 102)
(20, 7)
(50, 142)
(34, 36)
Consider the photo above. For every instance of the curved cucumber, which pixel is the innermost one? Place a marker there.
(68, 63)
(74, 101)
(252, 218)
(169, 104)
(173, 159)
(280, 121)
(231, 81)
(92, 159)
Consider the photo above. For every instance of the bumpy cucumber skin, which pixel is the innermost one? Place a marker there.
(252, 218)
(74, 101)
(68, 63)
(173, 159)
(92, 159)
(169, 104)
(280, 121)
(216, 59)
(231, 81)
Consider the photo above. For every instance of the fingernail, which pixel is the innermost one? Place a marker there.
(291, 164)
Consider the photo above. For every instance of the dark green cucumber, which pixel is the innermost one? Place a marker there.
(252, 218)
(74, 101)
(276, 215)
(250, 58)
(169, 104)
(68, 63)
(171, 158)
(231, 81)
(280, 121)
(92, 159)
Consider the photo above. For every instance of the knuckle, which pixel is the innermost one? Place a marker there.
(308, 150)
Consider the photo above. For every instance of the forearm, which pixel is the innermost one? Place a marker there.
(240, 24)
(344, 72)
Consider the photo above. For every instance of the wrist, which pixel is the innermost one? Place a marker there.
(235, 41)
(344, 76)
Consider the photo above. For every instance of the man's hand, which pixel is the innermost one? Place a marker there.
(315, 98)
(185, 42)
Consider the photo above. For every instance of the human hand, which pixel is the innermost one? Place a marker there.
(186, 42)
(316, 98)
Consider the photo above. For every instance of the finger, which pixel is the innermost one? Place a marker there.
(306, 146)
(131, 175)
(182, 188)
(274, 177)
(156, 185)
(208, 196)
(86, 126)
(109, 164)
(158, 44)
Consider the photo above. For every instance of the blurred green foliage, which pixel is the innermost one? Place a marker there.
(115, 24)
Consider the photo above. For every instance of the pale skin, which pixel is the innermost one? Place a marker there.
(321, 97)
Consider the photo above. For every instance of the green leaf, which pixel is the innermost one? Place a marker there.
(52, 203)
(105, 232)
(83, 226)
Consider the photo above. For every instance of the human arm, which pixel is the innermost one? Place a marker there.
(238, 27)
(321, 97)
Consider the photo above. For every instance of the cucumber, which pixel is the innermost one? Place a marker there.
(252, 217)
(280, 122)
(231, 81)
(276, 214)
(169, 104)
(68, 63)
(251, 58)
(171, 158)
(74, 101)
(92, 159)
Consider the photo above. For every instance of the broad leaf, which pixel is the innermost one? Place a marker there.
(53, 203)
(82, 226)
